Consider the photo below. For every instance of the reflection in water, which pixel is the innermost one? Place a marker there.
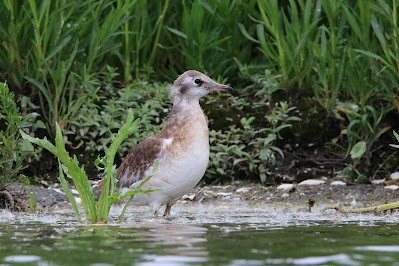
(176, 240)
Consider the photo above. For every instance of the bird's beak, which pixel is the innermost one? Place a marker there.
(222, 87)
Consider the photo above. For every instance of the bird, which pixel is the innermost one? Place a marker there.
(181, 148)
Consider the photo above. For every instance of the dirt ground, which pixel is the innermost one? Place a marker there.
(299, 196)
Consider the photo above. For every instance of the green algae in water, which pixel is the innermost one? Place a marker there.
(221, 244)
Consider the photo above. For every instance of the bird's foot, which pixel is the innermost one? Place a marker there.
(167, 210)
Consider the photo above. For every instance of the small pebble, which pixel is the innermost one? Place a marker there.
(285, 195)
(58, 190)
(392, 187)
(189, 197)
(209, 193)
(223, 194)
(378, 181)
(78, 200)
(395, 176)
(311, 182)
(286, 186)
(338, 183)
(243, 190)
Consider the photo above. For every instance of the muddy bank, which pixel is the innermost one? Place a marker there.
(298, 196)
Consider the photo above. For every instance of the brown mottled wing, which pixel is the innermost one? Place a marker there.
(139, 160)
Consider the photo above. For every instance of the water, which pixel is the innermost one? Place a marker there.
(203, 235)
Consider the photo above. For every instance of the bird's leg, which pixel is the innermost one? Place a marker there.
(167, 210)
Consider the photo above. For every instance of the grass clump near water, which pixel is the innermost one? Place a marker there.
(95, 212)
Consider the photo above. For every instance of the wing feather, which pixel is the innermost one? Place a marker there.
(139, 160)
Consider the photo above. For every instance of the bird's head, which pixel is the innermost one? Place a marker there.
(192, 85)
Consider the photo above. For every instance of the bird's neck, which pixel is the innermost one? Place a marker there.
(186, 115)
(185, 109)
(185, 102)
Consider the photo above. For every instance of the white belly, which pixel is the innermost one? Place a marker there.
(175, 177)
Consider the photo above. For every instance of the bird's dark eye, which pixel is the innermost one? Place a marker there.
(198, 81)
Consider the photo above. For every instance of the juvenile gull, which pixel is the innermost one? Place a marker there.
(181, 147)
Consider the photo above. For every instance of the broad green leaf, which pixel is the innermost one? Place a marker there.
(358, 150)
(41, 142)
(237, 161)
(264, 154)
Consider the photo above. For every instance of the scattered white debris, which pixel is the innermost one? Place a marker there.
(311, 182)
(243, 190)
(189, 197)
(392, 187)
(286, 186)
(224, 194)
(395, 176)
(75, 192)
(58, 190)
(378, 181)
(307, 170)
(285, 195)
(338, 183)
(78, 200)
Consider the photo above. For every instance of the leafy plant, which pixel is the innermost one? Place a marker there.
(96, 212)
(363, 130)
(364, 125)
(11, 144)
(246, 149)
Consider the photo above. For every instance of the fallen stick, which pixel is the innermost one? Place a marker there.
(379, 208)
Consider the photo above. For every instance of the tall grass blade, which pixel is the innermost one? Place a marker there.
(104, 204)
(68, 192)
